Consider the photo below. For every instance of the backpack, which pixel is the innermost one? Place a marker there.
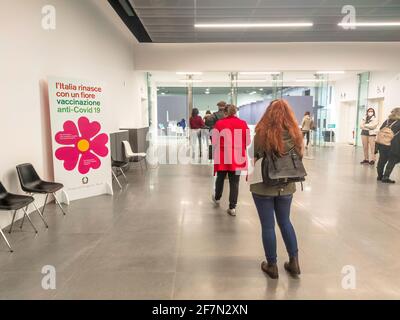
(386, 134)
(209, 121)
(280, 171)
(214, 118)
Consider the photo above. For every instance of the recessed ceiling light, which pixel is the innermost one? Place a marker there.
(369, 24)
(260, 72)
(189, 73)
(330, 72)
(254, 25)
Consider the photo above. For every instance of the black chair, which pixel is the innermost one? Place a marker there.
(119, 165)
(13, 202)
(32, 184)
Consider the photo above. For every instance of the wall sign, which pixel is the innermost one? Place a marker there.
(81, 150)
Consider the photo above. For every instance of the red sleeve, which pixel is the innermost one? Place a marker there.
(215, 135)
(248, 137)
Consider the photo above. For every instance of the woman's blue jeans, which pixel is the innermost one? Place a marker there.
(268, 208)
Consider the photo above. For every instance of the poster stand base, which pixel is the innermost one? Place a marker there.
(64, 198)
(109, 189)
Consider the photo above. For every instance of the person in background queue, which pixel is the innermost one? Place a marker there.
(196, 124)
(368, 127)
(389, 155)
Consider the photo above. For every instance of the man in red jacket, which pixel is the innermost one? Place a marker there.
(230, 138)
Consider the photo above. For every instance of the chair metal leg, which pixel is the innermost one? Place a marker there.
(122, 172)
(22, 222)
(5, 239)
(45, 203)
(145, 162)
(29, 219)
(116, 179)
(26, 208)
(58, 203)
(141, 167)
(12, 222)
(40, 214)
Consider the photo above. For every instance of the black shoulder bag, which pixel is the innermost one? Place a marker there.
(281, 170)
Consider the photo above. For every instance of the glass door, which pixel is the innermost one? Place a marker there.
(321, 134)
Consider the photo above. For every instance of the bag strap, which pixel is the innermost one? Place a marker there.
(391, 124)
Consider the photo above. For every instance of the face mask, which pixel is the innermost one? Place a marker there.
(370, 114)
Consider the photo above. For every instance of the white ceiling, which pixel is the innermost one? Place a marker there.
(221, 79)
(173, 20)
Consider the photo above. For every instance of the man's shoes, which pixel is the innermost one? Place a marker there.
(215, 201)
(231, 212)
(387, 180)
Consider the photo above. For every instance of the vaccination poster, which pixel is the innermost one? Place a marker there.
(81, 147)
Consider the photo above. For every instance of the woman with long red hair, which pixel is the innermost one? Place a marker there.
(277, 132)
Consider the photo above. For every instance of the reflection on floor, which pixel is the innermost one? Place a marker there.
(161, 238)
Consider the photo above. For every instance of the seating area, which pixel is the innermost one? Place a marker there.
(32, 185)
(118, 167)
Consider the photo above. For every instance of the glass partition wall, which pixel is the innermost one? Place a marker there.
(177, 93)
(321, 133)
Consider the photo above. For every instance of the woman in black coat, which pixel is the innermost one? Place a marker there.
(389, 156)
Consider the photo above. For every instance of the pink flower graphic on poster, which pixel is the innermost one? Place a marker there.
(82, 147)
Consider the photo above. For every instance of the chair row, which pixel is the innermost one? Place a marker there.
(31, 184)
(130, 156)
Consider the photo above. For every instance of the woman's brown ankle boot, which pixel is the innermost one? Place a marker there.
(270, 269)
(293, 266)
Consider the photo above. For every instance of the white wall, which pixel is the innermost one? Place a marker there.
(385, 84)
(268, 56)
(85, 44)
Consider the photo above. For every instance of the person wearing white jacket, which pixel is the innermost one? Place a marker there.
(369, 125)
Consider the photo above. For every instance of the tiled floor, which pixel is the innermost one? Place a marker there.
(161, 238)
